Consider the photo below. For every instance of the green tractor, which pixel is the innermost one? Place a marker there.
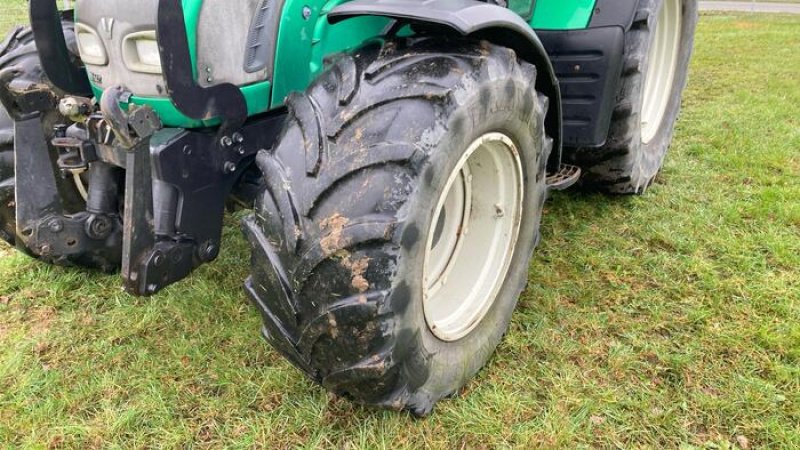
(396, 155)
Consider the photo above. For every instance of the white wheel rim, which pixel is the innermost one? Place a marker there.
(661, 68)
(472, 237)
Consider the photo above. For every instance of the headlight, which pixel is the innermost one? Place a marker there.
(90, 46)
(140, 52)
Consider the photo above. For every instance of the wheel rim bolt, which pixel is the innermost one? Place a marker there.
(56, 226)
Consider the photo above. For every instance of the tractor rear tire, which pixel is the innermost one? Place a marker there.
(347, 233)
(19, 51)
(658, 48)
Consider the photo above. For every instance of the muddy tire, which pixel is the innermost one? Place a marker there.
(7, 214)
(19, 51)
(658, 48)
(346, 233)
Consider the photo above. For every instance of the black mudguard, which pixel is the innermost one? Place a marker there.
(609, 13)
(589, 65)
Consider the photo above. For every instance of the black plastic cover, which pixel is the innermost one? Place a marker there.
(588, 64)
(614, 12)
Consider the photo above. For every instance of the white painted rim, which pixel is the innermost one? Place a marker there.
(662, 68)
(472, 236)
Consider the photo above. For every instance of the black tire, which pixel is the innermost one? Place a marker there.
(7, 207)
(626, 164)
(19, 51)
(338, 234)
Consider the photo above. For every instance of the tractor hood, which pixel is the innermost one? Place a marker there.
(230, 42)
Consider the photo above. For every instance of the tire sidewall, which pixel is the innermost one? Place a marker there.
(458, 361)
(7, 219)
(650, 156)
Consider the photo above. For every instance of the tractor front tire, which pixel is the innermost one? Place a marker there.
(401, 209)
(7, 206)
(658, 48)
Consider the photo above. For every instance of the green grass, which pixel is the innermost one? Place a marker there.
(769, 1)
(668, 320)
(14, 12)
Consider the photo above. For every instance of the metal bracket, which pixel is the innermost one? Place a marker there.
(224, 101)
(44, 226)
(177, 182)
(23, 99)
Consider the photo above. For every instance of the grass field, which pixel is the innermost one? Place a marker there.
(663, 321)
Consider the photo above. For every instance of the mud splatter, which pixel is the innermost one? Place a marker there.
(485, 48)
(334, 226)
(357, 268)
(332, 326)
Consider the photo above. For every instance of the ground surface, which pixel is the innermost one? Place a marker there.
(790, 6)
(662, 321)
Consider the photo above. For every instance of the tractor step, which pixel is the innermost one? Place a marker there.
(566, 176)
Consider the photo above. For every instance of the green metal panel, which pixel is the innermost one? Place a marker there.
(304, 40)
(524, 8)
(562, 14)
(257, 95)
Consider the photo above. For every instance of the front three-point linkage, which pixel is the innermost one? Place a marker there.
(46, 226)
